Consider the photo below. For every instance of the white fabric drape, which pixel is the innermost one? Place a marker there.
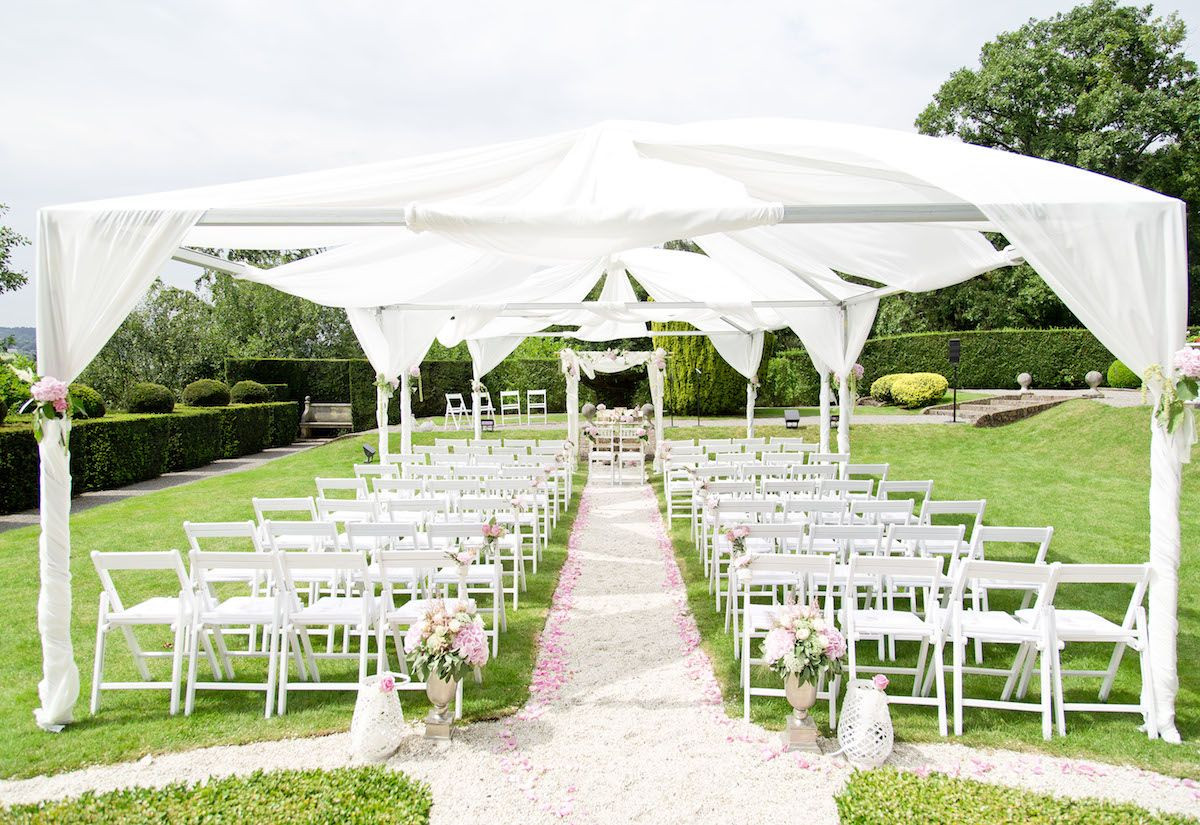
(405, 412)
(655, 375)
(826, 417)
(59, 687)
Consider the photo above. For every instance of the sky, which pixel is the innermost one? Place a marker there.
(127, 96)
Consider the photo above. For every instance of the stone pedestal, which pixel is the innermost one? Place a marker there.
(801, 735)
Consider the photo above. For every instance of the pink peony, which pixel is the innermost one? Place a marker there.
(471, 643)
(1187, 361)
(60, 405)
(777, 644)
(49, 389)
(880, 681)
(837, 643)
(387, 684)
(413, 638)
(414, 371)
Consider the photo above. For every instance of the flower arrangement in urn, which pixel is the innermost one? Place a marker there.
(444, 642)
(802, 645)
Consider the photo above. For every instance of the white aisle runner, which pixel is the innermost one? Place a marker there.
(625, 722)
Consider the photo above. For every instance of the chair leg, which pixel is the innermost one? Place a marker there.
(1111, 675)
(177, 663)
(98, 664)
(363, 649)
(958, 654)
(272, 664)
(1019, 668)
(939, 671)
(1060, 712)
(1047, 723)
(193, 649)
(281, 703)
(746, 675)
(921, 666)
(381, 656)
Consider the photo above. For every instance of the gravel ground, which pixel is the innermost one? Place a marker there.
(625, 721)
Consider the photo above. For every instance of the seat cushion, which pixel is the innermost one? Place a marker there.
(331, 609)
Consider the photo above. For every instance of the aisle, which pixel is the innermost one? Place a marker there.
(625, 722)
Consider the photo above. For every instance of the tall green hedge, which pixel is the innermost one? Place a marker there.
(115, 451)
(325, 379)
(718, 388)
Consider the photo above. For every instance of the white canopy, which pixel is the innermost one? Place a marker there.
(494, 243)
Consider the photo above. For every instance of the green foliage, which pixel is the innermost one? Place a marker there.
(362, 396)
(918, 389)
(250, 392)
(118, 450)
(886, 796)
(790, 381)
(1122, 377)
(881, 388)
(206, 392)
(12, 389)
(10, 279)
(1103, 86)
(88, 399)
(279, 392)
(322, 379)
(148, 397)
(343, 795)
(718, 389)
(3, 410)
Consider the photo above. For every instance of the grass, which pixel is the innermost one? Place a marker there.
(888, 796)
(805, 412)
(135, 723)
(1081, 467)
(345, 795)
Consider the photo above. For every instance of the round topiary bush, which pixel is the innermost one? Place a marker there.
(89, 401)
(206, 393)
(249, 392)
(1122, 377)
(151, 398)
(881, 389)
(919, 389)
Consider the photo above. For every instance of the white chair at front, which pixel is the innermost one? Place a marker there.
(880, 621)
(214, 615)
(535, 404)
(354, 610)
(174, 612)
(456, 409)
(510, 405)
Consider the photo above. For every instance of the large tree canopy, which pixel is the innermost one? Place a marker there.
(1103, 87)
(10, 278)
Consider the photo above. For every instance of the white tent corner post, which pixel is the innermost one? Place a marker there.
(382, 397)
(656, 379)
(406, 422)
(845, 410)
(476, 419)
(59, 687)
(826, 414)
(1167, 455)
(751, 398)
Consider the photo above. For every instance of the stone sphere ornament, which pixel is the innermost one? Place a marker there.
(1025, 381)
(647, 411)
(1093, 380)
(588, 411)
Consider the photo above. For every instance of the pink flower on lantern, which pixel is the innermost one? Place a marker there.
(1187, 361)
(880, 681)
(50, 390)
(387, 684)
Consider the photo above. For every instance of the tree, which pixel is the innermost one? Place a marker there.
(1103, 87)
(10, 279)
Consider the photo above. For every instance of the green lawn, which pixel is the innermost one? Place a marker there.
(805, 412)
(1081, 467)
(134, 723)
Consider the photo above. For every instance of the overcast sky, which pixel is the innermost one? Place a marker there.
(128, 96)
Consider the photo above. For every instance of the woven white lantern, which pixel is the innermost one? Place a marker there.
(865, 727)
(378, 723)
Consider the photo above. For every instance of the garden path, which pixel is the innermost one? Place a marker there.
(625, 722)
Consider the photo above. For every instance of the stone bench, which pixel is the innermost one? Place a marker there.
(324, 416)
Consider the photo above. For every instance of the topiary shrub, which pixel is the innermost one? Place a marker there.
(881, 388)
(88, 400)
(206, 393)
(1122, 377)
(918, 389)
(249, 392)
(151, 398)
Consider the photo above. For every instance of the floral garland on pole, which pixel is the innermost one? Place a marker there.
(49, 398)
(477, 387)
(415, 372)
(1175, 391)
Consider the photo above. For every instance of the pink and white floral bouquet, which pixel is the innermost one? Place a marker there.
(447, 639)
(802, 643)
(492, 533)
(642, 434)
(48, 397)
(659, 359)
(736, 536)
(664, 450)
(592, 433)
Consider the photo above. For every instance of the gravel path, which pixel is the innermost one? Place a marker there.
(625, 722)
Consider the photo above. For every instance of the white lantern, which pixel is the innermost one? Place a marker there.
(865, 728)
(378, 723)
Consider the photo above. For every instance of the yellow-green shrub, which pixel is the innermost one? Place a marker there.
(918, 389)
(881, 388)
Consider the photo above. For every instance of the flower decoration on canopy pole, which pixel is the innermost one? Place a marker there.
(856, 375)
(477, 387)
(1177, 389)
(569, 362)
(386, 386)
(414, 372)
(659, 359)
(49, 398)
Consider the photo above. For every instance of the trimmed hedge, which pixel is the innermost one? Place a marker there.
(325, 379)
(206, 393)
(718, 389)
(250, 392)
(279, 392)
(1122, 377)
(148, 397)
(115, 451)
(887, 796)
(88, 399)
(345, 795)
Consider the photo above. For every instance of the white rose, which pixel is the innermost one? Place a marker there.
(455, 626)
(818, 624)
(802, 633)
(822, 642)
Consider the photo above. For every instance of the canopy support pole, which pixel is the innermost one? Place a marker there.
(381, 421)
(845, 396)
(405, 413)
(1166, 467)
(826, 414)
(751, 397)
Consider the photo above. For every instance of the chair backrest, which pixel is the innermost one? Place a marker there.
(454, 531)
(535, 398)
(789, 487)
(400, 459)
(243, 531)
(975, 509)
(362, 535)
(753, 509)
(991, 536)
(835, 488)
(416, 566)
(527, 443)
(845, 539)
(875, 511)
(265, 508)
(1039, 577)
(1137, 575)
(712, 445)
(879, 471)
(337, 486)
(431, 449)
(417, 510)
(352, 566)
(483, 506)
(454, 443)
(305, 535)
(788, 537)
(816, 511)
(376, 470)
(887, 489)
(816, 472)
(795, 445)
(341, 510)
(806, 572)
(828, 458)
(731, 488)
(920, 571)
(159, 560)
(204, 563)
(453, 487)
(925, 540)
(747, 444)
(455, 402)
(391, 488)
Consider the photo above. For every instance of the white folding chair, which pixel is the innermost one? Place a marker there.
(535, 404)
(510, 404)
(481, 577)
(173, 612)
(836, 488)
(343, 488)
(881, 621)
(215, 615)
(456, 409)
(944, 510)
(801, 572)
(773, 537)
(1032, 633)
(923, 490)
(375, 471)
(389, 489)
(873, 471)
